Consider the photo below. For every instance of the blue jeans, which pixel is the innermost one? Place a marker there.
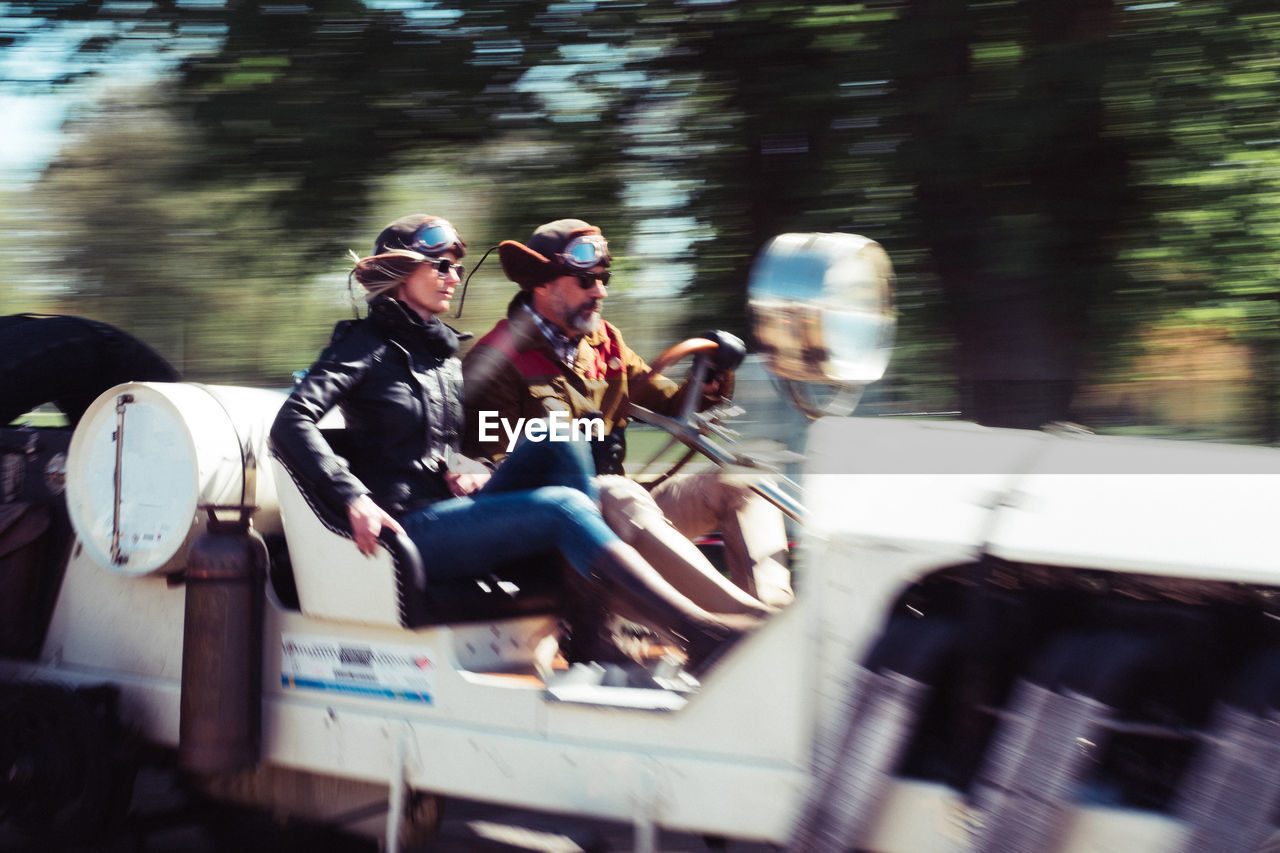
(540, 499)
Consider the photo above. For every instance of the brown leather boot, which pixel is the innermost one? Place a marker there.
(636, 590)
(631, 513)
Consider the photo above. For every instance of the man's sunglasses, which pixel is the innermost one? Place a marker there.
(443, 265)
(587, 280)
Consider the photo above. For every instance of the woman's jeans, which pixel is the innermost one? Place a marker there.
(539, 500)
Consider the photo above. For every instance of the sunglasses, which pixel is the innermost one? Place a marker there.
(585, 251)
(433, 237)
(443, 265)
(587, 280)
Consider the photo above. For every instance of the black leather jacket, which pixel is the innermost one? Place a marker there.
(398, 385)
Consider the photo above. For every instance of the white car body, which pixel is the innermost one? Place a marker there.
(818, 730)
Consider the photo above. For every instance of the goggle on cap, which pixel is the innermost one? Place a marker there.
(422, 233)
(554, 248)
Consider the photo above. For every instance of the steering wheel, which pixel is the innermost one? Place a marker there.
(687, 425)
(695, 430)
(700, 349)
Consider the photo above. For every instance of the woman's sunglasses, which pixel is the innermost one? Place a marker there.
(443, 265)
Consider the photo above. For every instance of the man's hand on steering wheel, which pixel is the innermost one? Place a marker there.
(729, 352)
(723, 353)
(718, 353)
(725, 358)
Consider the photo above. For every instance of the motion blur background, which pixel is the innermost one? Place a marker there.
(1081, 197)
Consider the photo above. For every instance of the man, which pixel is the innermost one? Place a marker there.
(554, 354)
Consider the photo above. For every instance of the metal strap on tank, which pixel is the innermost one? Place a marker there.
(248, 460)
(116, 556)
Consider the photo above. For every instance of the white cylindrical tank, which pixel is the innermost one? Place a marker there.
(147, 455)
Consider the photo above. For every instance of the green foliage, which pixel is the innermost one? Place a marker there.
(1048, 175)
(201, 273)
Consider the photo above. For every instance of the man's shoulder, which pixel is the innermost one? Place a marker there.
(489, 356)
(516, 331)
(505, 350)
(499, 337)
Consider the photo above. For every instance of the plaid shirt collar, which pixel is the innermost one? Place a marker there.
(566, 348)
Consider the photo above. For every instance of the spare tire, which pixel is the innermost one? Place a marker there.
(68, 361)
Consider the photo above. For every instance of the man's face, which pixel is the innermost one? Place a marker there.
(572, 302)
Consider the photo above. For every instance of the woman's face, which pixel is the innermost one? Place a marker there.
(427, 291)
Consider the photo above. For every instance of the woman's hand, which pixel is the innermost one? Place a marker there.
(367, 520)
(464, 484)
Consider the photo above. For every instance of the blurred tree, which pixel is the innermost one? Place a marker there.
(771, 117)
(321, 96)
(750, 112)
(1020, 190)
(324, 97)
(1203, 104)
(205, 276)
(21, 289)
(1055, 170)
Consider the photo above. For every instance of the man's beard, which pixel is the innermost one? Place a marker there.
(586, 319)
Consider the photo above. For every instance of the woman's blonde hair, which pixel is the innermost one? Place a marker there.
(379, 274)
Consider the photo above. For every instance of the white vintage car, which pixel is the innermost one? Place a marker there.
(1002, 640)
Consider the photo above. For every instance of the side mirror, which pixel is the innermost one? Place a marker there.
(822, 309)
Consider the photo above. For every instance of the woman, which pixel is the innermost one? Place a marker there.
(397, 381)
